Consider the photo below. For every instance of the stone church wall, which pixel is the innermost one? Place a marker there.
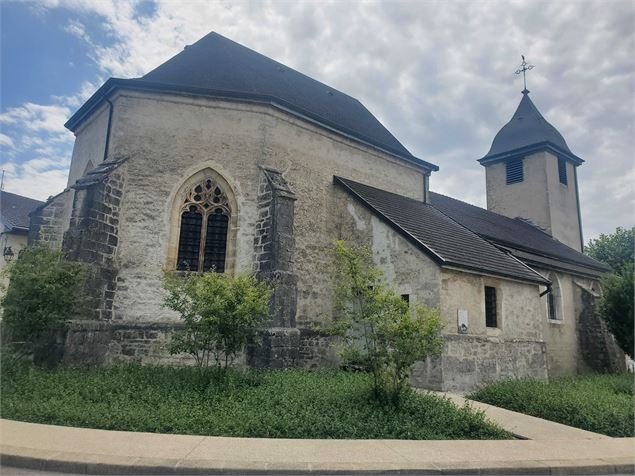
(90, 142)
(169, 139)
(51, 220)
(599, 350)
(515, 348)
(561, 335)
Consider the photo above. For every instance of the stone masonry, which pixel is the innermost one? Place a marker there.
(274, 247)
(597, 345)
(49, 221)
(92, 235)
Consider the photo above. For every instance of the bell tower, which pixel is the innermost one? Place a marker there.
(531, 174)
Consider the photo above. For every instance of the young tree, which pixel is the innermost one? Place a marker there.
(616, 305)
(379, 328)
(221, 314)
(44, 293)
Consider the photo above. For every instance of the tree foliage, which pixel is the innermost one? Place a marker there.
(616, 305)
(220, 313)
(617, 249)
(380, 330)
(44, 291)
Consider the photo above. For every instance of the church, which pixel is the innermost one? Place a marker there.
(223, 159)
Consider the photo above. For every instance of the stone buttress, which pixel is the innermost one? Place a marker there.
(274, 248)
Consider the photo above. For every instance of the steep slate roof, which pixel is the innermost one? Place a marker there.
(526, 132)
(447, 242)
(15, 209)
(218, 67)
(523, 240)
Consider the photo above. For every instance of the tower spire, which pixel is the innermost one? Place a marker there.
(524, 67)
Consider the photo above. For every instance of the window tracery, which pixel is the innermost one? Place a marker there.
(205, 214)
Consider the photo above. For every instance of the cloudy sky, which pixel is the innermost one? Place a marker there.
(439, 75)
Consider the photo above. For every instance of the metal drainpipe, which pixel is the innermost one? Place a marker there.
(577, 201)
(110, 107)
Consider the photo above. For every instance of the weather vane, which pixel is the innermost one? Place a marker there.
(524, 67)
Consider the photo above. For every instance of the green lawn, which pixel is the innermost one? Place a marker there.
(282, 404)
(598, 403)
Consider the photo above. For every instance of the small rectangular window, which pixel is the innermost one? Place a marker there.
(562, 170)
(406, 297)
(514, 169)
(490, 307)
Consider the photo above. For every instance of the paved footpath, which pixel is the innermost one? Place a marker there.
(552, 449)
(524, 426)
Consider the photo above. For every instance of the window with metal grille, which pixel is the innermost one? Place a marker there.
(490, 307)
(204, 228)
(514, 171)
(562, 170)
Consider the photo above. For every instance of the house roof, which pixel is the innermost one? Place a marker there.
(525, 241)
(15, 209)
(447, 242)
(216, 66)
(527, 132)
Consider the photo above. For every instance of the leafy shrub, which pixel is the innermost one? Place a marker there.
(380, 329)
(44, 293)
(616, 305)
(221, 314)
(598, 403)
(274, 404)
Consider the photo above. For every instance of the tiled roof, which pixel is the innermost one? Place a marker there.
(527, 129)
(15, 209)
(218, 67)
(525, 241)
(444, 240)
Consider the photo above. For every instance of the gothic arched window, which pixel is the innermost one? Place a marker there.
(554, 300)
(205, 215)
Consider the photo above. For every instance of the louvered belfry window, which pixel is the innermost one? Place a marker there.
(514, 169)
(205, 215)
(562, 170)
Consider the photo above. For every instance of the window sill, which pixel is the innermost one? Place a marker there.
(493, 331)
(557, 322)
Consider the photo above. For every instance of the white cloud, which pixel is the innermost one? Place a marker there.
(438, 74)
(37, 117)
(6, 141)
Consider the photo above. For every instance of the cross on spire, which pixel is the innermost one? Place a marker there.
(524, 67)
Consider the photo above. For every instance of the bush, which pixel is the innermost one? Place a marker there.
(616, 307)
(616, 304)
(379, 328)
(43, 294)
(221, 314)
(598, 403)
(259, 404)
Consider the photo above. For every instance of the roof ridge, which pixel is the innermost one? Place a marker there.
(515, 220)
(445, 260)
(224, 38)
(480, 237)
(519, 221)
(21, 196)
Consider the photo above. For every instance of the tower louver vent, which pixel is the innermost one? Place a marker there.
(514, 170)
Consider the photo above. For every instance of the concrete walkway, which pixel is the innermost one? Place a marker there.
(80, 450)
(524, 426)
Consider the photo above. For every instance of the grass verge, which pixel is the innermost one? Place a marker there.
(598, 403)
(282, 404)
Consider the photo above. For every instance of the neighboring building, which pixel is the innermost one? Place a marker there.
(14, 224)
(224, 159)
